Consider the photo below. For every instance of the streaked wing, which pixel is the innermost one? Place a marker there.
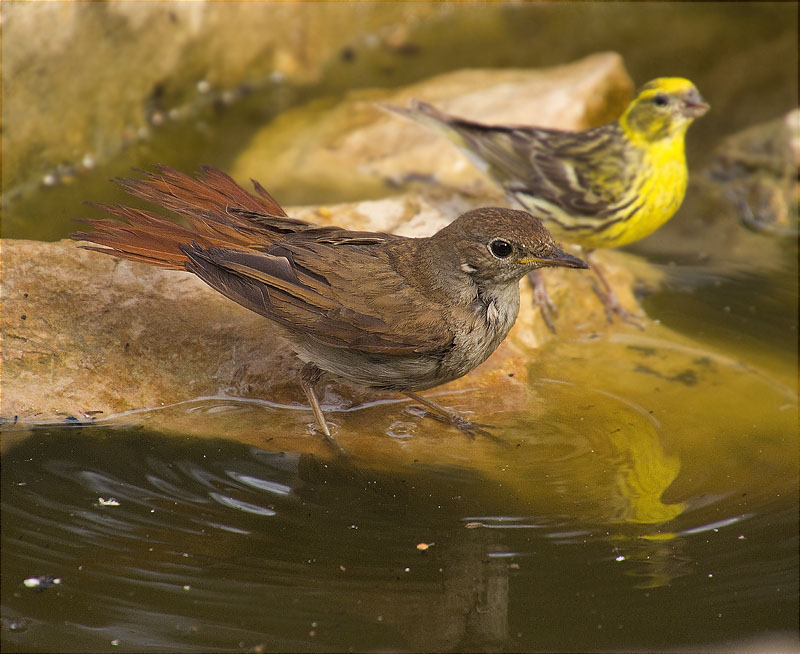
(298, 284)
(583, 173)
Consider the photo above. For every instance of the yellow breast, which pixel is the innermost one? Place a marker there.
(662, 190)
(659, 189)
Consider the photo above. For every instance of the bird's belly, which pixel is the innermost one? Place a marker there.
(477, 333)
(662, 195)
(388, 372)
(655, 201)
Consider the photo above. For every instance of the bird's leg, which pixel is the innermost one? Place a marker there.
(452, 417)
(542, 299)
(609, 298)
(309, 376)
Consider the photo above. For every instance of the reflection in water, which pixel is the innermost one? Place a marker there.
(644, 477)
(654, 562)
(640, 468)
(205, 536)
(661, 484)
(211, 544)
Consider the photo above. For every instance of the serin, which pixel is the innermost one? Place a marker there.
(603, 187)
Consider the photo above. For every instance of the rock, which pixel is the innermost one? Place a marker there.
(740, 215)
(352, 149)
(89, 336)
(116, 70)
(757, 170)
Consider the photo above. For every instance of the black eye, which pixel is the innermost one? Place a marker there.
(661, 100)
(500, 248)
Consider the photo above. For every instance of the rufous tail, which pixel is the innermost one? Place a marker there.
(219, 214)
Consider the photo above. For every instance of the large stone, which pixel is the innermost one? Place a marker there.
(110, 67)
(88, 336)
(757, 171)
(748, 191)
(352, 149)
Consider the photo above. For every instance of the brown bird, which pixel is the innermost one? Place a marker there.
(387, 312)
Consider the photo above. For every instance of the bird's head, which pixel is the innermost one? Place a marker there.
(664, 108)
(498, 246)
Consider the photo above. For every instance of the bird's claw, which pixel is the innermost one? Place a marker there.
(473, 429)
(466, 427)
(612, 307)
(542, 299)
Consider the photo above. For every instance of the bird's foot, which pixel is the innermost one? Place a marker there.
(542, 299)
(309, 376)
(466, 427)
(613, 307)
(609, 298)
(453, 418)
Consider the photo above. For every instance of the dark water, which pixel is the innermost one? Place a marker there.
(216, 546)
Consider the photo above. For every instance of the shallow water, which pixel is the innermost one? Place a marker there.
(221, 546)
(642, 495)
(602, 518)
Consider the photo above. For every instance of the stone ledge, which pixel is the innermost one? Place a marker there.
(87, 336)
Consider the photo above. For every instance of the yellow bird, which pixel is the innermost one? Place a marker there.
(603, 187)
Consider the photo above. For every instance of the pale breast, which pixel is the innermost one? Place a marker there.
(477, 331)
(479, 336)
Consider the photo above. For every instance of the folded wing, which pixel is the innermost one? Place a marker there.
(298, 284)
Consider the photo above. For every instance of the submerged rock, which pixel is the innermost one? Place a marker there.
(757, 170)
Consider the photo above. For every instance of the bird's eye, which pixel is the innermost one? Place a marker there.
(660, 100)
(500, 248)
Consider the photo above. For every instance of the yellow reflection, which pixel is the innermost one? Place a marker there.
(644, 473)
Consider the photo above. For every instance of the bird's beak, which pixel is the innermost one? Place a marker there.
(558, 258)
(694, 107)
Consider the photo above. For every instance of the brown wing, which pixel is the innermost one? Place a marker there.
(285, 269)
(219, 213)
(339, 287)
(584, 173)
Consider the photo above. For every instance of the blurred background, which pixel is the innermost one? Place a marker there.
(91, 90)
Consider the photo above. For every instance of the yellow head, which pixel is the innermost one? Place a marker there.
(663, 109)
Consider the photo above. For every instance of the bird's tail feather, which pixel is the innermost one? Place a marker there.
(426, 114)
(144, 236)
(218, 212)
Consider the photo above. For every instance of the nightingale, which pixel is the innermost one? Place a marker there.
(387, 312)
